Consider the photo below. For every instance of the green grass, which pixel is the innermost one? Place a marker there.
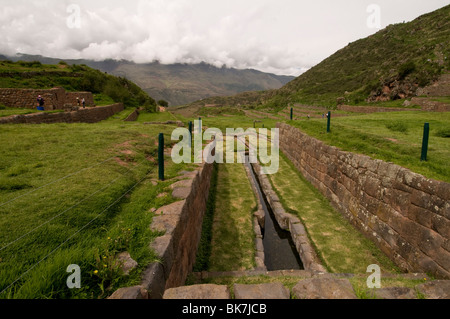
(232, 243)
(393, 137)
(77, 194)
(18, 111)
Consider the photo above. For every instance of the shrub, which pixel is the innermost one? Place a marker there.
(445, 133)
(163, 103)
(406, 69)
(32, 64)
(397, 126)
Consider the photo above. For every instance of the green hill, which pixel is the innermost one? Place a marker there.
(106, 88)
(389, 65)
(401, 57)
(179, 83)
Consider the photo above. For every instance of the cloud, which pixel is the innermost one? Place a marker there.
(279, 36)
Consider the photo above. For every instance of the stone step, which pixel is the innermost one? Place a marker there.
(326, 287)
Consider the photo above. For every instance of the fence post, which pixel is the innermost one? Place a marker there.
(200, 125)
(292, 113)
(329, 122)
(190, 133)
(161, 157)
(426, 135)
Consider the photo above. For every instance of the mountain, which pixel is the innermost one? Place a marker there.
(390, 65)
(180, 84)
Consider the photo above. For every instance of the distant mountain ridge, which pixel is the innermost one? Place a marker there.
(179, 84)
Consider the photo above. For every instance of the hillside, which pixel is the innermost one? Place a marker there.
(106, 88)
(389, 65)
(181, 84)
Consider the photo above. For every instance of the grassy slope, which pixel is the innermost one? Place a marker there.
(364, 65)
(63, 202)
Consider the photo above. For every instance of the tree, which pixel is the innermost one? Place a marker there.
(163, 103)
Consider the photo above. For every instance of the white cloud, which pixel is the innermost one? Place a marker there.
(279, 36)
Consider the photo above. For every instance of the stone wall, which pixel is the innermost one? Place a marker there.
(371, 109)
(428, 104)
(88, 115)
(55, 99)
(441, 87)
(133, 116)
(405, 214)
(181, 224)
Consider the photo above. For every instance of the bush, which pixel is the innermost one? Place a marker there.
(445, 133)
(406, 69)
(163, 103)
(32, 64)
(397, 126)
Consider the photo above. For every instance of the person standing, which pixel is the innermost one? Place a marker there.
(41, 103)
(83, 101)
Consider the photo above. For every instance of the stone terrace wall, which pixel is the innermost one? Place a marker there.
(181, 223)
(55, 99)
(428, 104)
(404, 213)
(371, 109)
(88, 115)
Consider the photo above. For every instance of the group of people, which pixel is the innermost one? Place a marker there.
(41, 102)
(83, 101)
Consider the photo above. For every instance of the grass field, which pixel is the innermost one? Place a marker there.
(393, 137)
(81, 193)
(76, 194)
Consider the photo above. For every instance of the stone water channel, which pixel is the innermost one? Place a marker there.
(279, 249)
(284, 239)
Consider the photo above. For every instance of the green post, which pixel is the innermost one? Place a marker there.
(161, 157)
(254, 124)
(190, 133)
(426, 135)
(292, 113)
(199, 124)
(329, 122)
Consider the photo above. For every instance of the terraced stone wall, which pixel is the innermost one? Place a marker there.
(406, 214)
(181, 226)
(55, 99)
(88, 115)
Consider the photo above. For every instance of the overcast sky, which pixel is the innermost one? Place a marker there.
(278, 36)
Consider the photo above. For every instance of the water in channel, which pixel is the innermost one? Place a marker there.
(279, 249)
